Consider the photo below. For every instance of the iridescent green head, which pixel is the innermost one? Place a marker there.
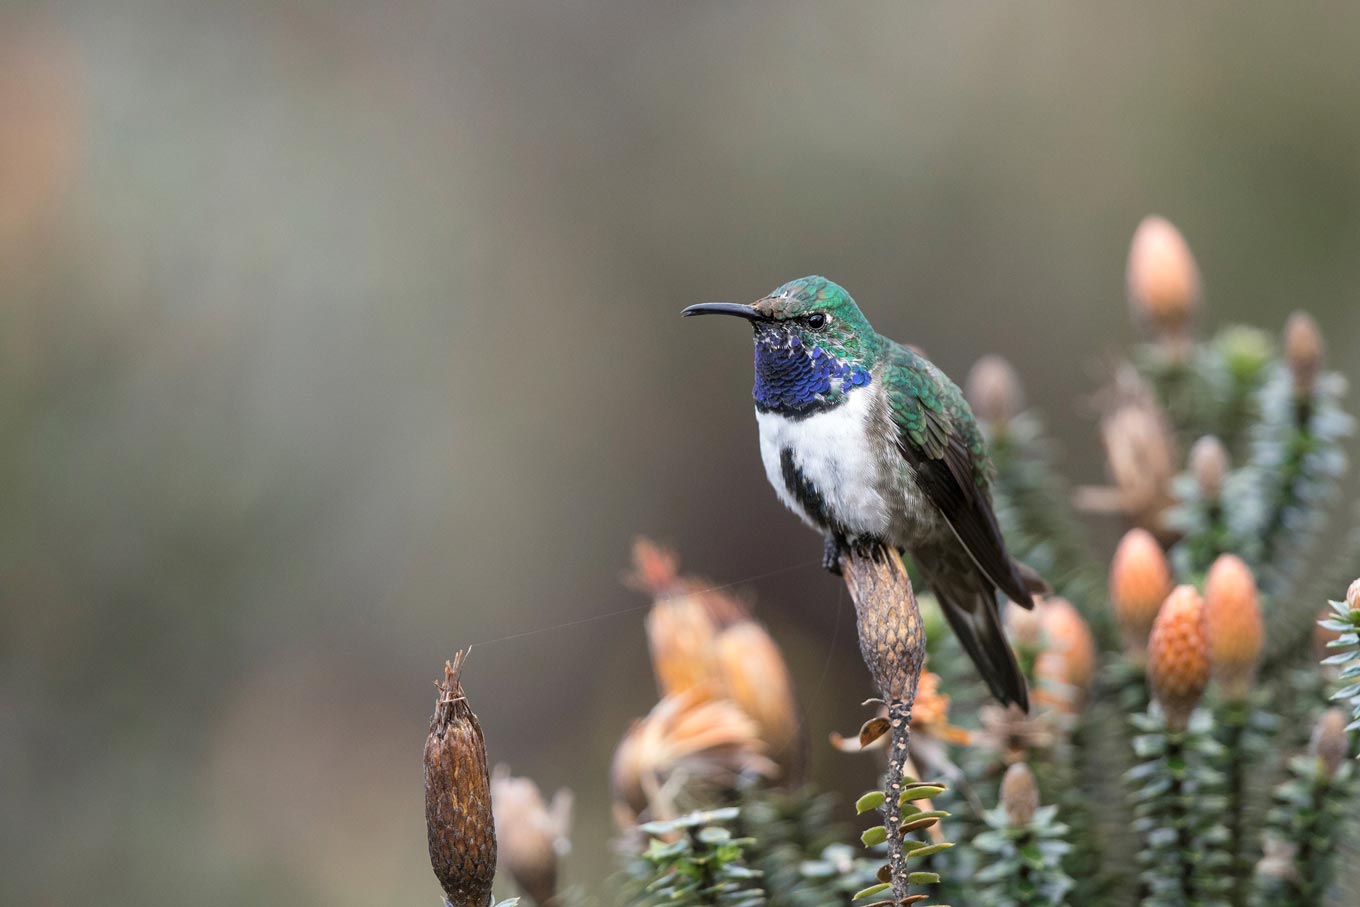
(813, 345)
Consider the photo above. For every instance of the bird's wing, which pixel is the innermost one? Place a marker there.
(937, 436)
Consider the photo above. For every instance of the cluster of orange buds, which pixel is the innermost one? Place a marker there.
(531, 833)
(1140, 580)
(703, 638)
(1236, 634)
(727, 699)
(1163, 280)
(1179, 659)
(458, 816)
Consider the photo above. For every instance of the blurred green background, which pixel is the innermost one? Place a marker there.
(338, 335)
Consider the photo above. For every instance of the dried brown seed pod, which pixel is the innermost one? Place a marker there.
(993, 391)
(532, 834)
(1178, 655)
(1236, 634)
(1209, 466)
(1140, 580)
(1303, 351)
(1019, 794)
(458, 818)
(1163, 279)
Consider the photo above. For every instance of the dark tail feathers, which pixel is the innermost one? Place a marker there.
(971, 608)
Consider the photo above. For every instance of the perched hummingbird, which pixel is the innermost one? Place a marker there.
(868, 442)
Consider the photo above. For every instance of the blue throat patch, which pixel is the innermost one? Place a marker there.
(792, 379)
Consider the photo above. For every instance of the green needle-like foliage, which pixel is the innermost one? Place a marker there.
(1345, 620)
(1297, 457)
(1032, 503)
(1180, 811)
(1311, 809)
(798, 851)
(1246, 733)
(1024, 862)
(1211, 391)
(695, 861)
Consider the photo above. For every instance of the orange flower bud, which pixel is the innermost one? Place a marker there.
(1353, 595)
(994, 391)
(1303, 351)
(1019, 794)
(1163, 279)
(682, 634)
(1233, 614)
(458, 818)
(1178, 655)
(1209, 466)
(1330, 743)
(1067, 664)
(755, 677)
(1140, 580)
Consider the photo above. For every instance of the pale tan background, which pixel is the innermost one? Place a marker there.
(336, 335)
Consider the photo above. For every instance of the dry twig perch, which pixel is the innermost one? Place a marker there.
(892, 642)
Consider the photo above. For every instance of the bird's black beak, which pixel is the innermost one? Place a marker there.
(724, 308)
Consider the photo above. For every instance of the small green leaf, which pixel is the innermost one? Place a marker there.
(924, 878)
(920, 792)
(876, 835)
(870, 801)
(930, 849)
(871, 890)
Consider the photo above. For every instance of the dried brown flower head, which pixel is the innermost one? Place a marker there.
(532, 834)
(993, 391)
(1019, 794)
(1178, 655)
(1163, 279)
(1236, 634)
(1140, 580)
(1303, 351)
(705, 639)
(1013, 734)
(1329, 743)
(1140, 452)
(686, 754)
(1209, 466)
(458, 818)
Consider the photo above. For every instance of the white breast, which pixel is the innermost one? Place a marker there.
(833, 451)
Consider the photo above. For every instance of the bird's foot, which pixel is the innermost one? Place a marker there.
(831, 554)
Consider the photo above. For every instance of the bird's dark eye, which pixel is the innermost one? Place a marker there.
(816, 321)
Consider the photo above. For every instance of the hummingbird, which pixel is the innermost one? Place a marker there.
(870, 443)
